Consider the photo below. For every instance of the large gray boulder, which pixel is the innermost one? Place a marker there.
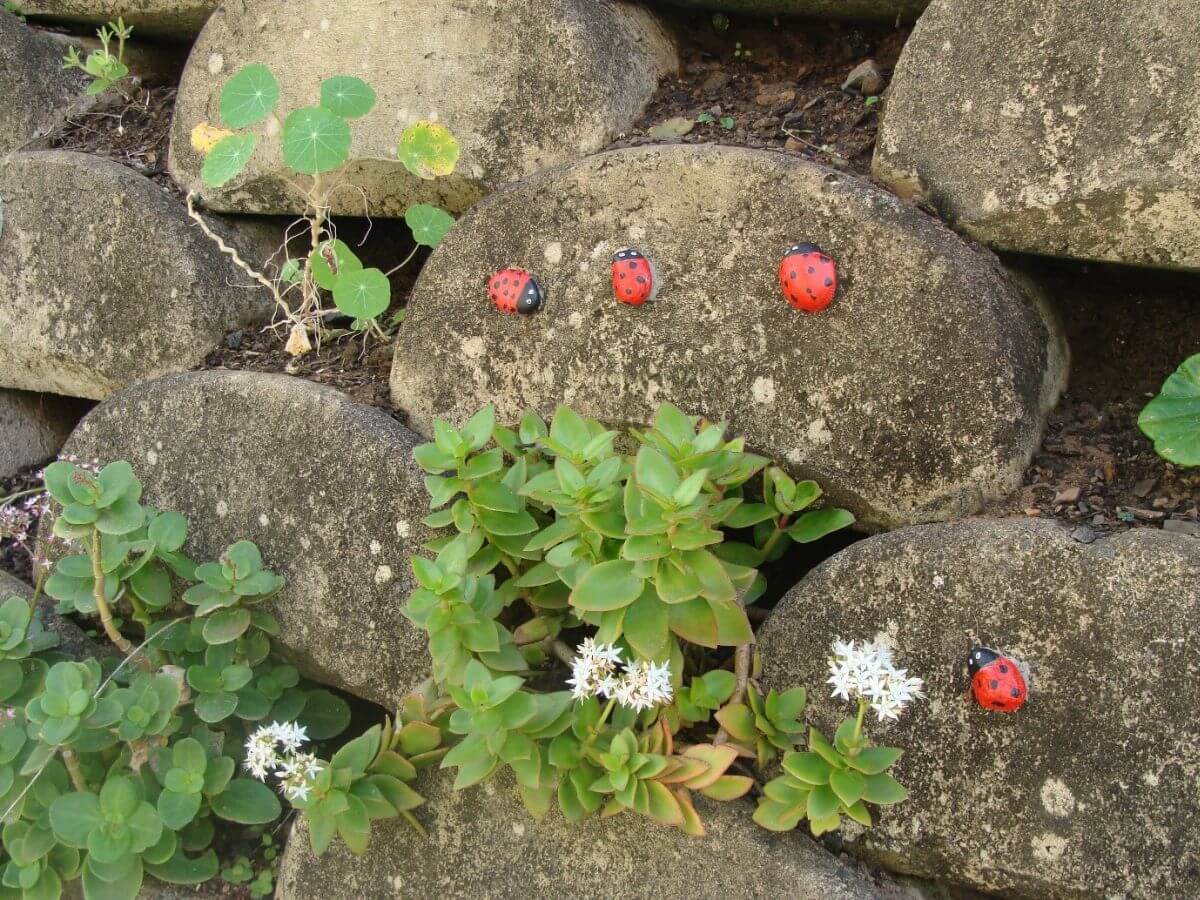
(33, 427)
(174, 19)
(483, 844)
(105, 281)
(37, 90)
(917, 394)
(327, 488)
(1066, 128)
(886, 10)
(521, 85)
(1089, 790)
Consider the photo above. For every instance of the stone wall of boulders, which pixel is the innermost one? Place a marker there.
(1064, 128)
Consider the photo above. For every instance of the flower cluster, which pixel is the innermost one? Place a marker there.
(866, 670)
(642, 684)
(275, 750)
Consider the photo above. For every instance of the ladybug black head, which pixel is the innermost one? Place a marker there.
(804, 248)
(980, 657)
(531, 298)
(627, 253)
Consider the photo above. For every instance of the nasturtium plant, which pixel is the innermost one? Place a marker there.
(105, 68)
(314, 143)
(1172, 419)
(113, 769)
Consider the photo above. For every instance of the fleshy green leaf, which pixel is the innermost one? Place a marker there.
(610, 585)
(247, 802)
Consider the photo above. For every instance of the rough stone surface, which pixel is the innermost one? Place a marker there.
(1066, 128)
(177, 19)
(327, 489)
(105, 281)
(887, 10)
(522, 86)
(1090, 789)
(33, 427)
(917, 394)
(37, 90)
(483, 844)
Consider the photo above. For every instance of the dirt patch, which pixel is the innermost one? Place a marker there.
(778, 86)
(1128, 330)
(132, 130)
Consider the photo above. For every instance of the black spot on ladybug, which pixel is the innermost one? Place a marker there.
(1003, 670)
(995, 684)
(641, 279)
(633, 265)
(811, 269)
(808, 291)
(1015, 693)
(622, 274)
(792, 274)
(828, 282)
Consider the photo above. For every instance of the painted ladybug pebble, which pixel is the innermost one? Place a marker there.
(633, 278)
(515, 291)
(808, 278)
(996, 680)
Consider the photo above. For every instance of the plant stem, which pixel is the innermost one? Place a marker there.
(4, 501)
(858, 724)
(775, 537)
(594, 731)
(742, 660)
(390, 272)
(72, 764)
(110, 629)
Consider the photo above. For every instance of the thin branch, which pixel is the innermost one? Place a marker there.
(234, 255)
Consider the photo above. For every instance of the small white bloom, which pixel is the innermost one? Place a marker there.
(868, 671)
(593, 670)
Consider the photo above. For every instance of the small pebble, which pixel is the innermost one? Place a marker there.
(1068, 495)
(1181, 526)
(1085, 534)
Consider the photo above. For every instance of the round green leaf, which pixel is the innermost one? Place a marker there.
(249, 96)
(181, 870)
(362, 294)
(178, 810)
(227, 159)
(812, 526)
(325, 715)
(247, 802)
(1172, 419)
(428, 150)
(215, 707)
(226, 625)
(315, 140)
(428, 223)
(347, 96)
(73, 816)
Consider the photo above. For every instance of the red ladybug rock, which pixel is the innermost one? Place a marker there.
(996, 680)
(633, 278)
(808, 277)
(515, 291)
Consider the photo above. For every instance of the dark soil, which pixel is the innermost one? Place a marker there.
(133, 131)
(787, 94)
(1128, 330)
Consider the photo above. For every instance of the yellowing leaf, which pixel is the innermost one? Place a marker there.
(428, 150)
(205, 137)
